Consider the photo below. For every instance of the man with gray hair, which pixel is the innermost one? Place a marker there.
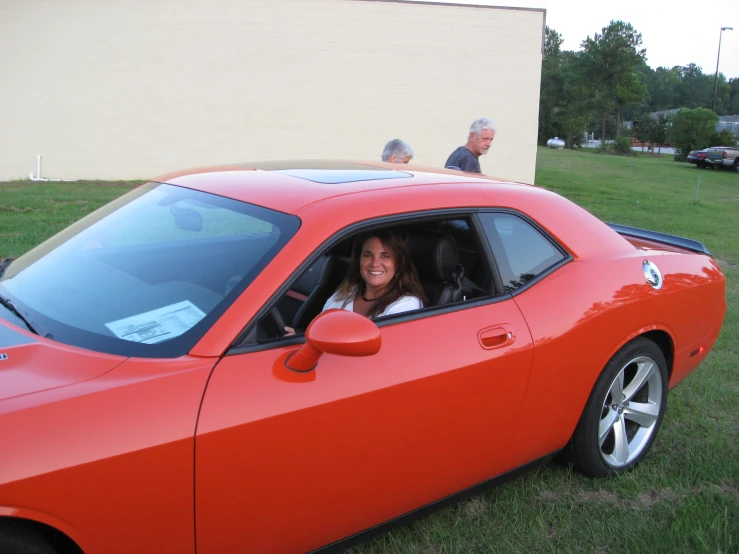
(397, 151)
(466, 158)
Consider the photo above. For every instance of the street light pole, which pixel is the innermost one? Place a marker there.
(715, 78)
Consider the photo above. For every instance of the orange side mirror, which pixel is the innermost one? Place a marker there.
(335, 332)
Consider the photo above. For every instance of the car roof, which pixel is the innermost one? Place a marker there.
(289, 186)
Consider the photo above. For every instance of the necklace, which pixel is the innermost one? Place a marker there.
(375, 299)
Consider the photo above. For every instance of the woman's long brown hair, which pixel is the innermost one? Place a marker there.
(404, 283)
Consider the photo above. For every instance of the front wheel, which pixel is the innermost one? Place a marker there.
(623, 413)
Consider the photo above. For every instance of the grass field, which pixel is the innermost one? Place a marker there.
(684, 497)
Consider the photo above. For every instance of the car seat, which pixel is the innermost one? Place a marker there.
(437, 262)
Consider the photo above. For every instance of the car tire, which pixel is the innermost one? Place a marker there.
(736, 164)
(614, 434)
(17, 539)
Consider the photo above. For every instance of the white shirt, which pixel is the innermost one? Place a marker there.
(402, 304)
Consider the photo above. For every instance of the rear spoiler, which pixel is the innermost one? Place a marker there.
(664, 238)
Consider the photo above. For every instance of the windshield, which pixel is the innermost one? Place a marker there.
(147, 274)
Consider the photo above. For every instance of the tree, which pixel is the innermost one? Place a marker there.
(552, 43)
(641, 127)
(564, 108)
(692, 130)
(612, 61)
(659, 131)
(697, 88)
(734, 97)
(664, 88)
(576, 108)
(724, 137)
(686, 87)
(652, 130)
(551, 85)
(723, 91)
(630, 91)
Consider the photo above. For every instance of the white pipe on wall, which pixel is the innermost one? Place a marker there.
(38, 177)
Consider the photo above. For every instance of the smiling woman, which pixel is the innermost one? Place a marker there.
(380, 280)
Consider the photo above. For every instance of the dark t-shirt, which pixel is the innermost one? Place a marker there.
(464, 160)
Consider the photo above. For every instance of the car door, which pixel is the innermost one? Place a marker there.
(288, 465)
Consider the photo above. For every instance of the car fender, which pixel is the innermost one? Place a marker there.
(637, 333)
(70, 442)
(27, 514)
(618, 345)
(577, 329)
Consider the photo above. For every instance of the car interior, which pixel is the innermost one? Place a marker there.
(446, 254)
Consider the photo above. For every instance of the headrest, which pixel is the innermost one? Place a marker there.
(317, 273)
(435, 256)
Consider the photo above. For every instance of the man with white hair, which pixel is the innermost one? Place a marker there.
(397, 151)
(466, 158)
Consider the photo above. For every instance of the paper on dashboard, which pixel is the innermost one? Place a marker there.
(158, 325)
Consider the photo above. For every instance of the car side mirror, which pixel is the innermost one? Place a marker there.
(337, 332)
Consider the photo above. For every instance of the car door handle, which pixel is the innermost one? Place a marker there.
(496, 336)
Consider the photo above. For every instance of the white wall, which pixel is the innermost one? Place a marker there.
(124, 90)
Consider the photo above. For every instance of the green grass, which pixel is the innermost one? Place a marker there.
(31, 212)
(684, 497)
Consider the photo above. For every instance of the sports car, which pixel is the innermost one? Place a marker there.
(151, 401)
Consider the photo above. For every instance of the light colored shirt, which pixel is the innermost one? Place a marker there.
(402, 304)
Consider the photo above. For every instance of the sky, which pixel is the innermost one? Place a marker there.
(674, 32)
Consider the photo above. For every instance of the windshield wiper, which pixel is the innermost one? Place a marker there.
(4, 265)
(33, 328)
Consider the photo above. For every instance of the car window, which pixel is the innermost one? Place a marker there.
(459, 274)
(148, 274)
(521, 250)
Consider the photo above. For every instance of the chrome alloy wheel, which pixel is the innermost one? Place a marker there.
(630, 412)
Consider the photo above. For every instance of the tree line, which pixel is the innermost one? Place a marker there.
(608, 81)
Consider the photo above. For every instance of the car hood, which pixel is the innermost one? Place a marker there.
(31, 364)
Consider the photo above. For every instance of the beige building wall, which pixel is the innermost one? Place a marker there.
(111, 89)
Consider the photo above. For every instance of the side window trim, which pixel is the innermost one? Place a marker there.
(500, 256)
(469, 214)
(487, 252)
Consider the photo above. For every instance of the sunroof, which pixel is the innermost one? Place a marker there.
(336, 176)
(330, 172)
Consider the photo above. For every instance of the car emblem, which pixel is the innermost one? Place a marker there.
(652, 273)
(3, 357)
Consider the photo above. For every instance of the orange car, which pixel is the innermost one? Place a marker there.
(151, 402)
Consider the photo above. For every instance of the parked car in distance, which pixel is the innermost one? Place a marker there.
(698, 157)
(722, 156)
(151, 402)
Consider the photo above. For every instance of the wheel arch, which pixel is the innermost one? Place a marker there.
(658, 335)
(664, 341)
(61, 541)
